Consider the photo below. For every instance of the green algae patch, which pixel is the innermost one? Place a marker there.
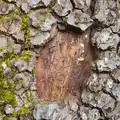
(8, 97)
(6, 92)
(25, 55)
(25, 19)
(7, 85)
(22, 111)
(26, 28)
(24, 23)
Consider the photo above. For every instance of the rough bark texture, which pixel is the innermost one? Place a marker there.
(28, 25)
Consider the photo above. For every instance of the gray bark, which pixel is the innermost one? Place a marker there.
(26, 25)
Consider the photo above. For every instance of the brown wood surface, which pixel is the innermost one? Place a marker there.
(64, 66)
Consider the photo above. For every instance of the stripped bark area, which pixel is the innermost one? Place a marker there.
(64, 66)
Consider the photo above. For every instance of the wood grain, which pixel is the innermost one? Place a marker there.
(64, 66)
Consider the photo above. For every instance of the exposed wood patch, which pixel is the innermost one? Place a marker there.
(64, 66)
